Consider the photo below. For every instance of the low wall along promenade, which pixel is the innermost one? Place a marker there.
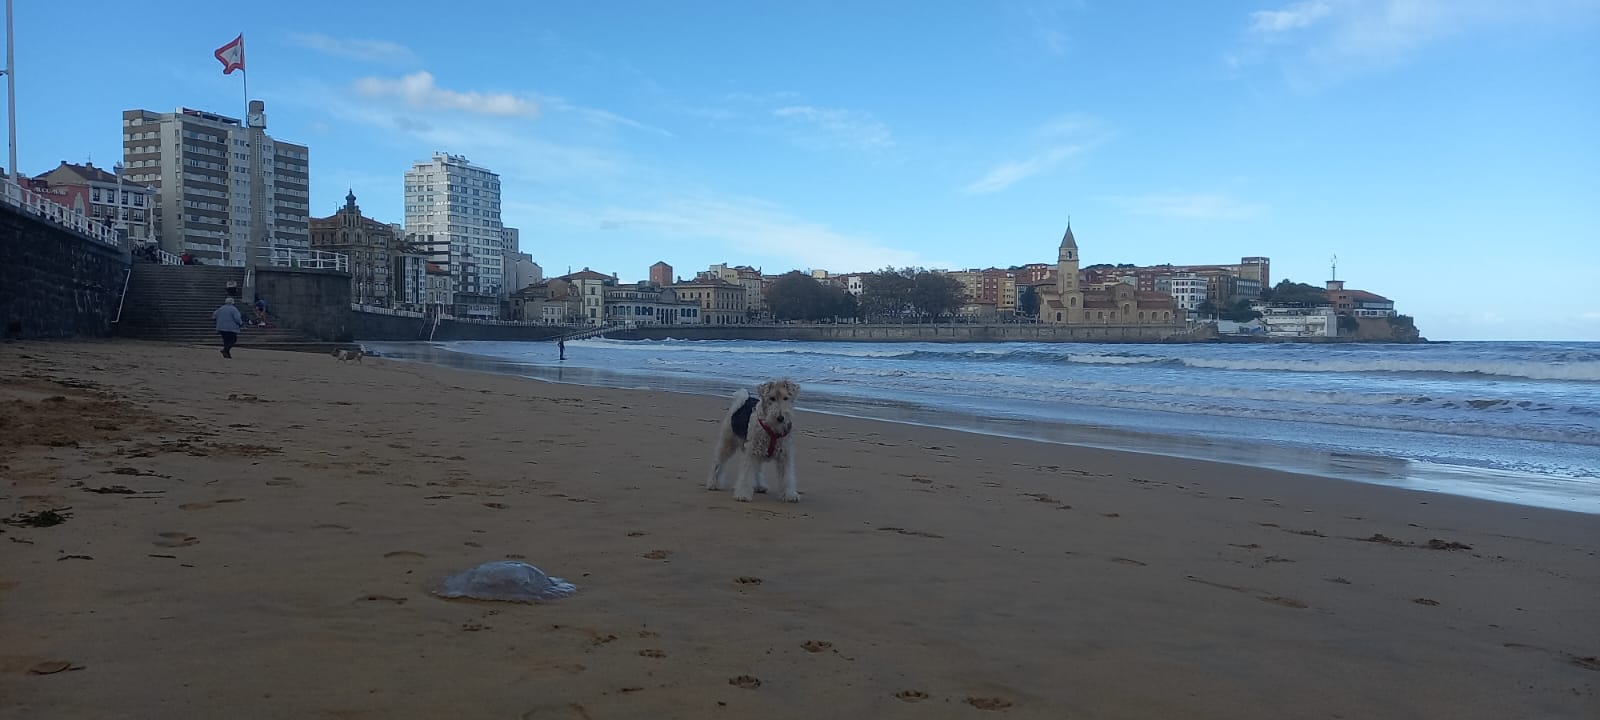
(56, 282)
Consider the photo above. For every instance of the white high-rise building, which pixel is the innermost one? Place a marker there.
(228, 189)
(453, 211)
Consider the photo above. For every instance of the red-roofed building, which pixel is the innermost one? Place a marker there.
(1358, 303)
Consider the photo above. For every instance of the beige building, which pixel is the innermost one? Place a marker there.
(371, 246)
(647, 303)
(1068, 302)
(721, 302)
(749, 278)
(228, 189)
(590, 288)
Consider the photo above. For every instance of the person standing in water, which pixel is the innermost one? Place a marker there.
(561, 346)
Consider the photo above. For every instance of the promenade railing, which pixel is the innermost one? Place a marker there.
(306, 259)
(39, 206)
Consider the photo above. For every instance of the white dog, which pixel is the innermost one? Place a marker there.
(757, 432)
(348, 355)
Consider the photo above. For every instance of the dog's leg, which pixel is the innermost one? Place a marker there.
(749, 477)
(788, 482)
(719, 459)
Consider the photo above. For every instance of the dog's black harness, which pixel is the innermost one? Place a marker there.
(741, 417)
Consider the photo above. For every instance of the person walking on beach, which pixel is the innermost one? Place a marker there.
(561, 346)
(228, 323)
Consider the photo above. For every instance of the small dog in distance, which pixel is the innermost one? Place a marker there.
(757, 434)
(347, 355)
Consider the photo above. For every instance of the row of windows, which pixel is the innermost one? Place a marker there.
(207, 137)
(110, 196)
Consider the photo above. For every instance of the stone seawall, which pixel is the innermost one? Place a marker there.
(55, 283)
(923, 333)
(315, 302)
(379, 327)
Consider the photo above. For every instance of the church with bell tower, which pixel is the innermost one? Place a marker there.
(1067, 302)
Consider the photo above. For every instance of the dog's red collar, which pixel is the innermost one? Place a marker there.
(772, 437)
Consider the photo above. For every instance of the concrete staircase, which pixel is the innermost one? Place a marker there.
(173, 303)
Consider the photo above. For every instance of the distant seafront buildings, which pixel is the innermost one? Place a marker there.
(226, 192)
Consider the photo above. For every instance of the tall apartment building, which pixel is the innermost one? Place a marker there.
(453, 212)
(228, 190)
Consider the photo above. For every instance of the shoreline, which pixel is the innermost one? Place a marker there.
(288, 514)
(1522, 489)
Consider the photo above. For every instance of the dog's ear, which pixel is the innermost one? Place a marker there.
(764, 391)
(793, 388)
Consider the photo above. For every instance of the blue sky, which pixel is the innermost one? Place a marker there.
(1448, 151)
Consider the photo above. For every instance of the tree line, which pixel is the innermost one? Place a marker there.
(888, 295)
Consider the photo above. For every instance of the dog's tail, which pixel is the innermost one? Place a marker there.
(739, 398)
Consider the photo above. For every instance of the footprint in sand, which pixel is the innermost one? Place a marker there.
(911, 695)
(176, 539)
(1425, 601)
(652, 653)
(988, 703)
(816, 646)
(656, 555)
(748, 682)
(196, 506)
(404, 554)
(636, 533)
(1284, 601)
(747, 580)
(495, 505)
(379, 598)
(1128, 561)
(916, 533)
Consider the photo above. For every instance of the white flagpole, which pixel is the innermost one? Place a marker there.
(11, 95)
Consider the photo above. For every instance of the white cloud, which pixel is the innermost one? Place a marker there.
(1191, 206)
(1056, 141)
(1319, 40)
(419, 91)
(747, 228)
(597, 116)
(1292, 17)
(836, 128)
(367, 50)
(1011, 172)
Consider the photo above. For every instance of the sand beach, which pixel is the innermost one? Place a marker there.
(194, 537)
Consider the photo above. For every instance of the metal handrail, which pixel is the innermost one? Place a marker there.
(44, 208)
(126, 278)
(308, 259)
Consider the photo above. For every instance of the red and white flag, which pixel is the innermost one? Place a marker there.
(231, 55)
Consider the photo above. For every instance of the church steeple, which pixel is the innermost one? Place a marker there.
(1067, 262)
(350, 201)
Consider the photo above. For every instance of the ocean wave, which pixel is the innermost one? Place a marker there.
(1570, 372)
(1447, 413)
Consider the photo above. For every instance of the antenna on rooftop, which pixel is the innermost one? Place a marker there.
(1335, 267)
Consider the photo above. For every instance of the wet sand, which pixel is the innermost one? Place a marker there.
(257, 538)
